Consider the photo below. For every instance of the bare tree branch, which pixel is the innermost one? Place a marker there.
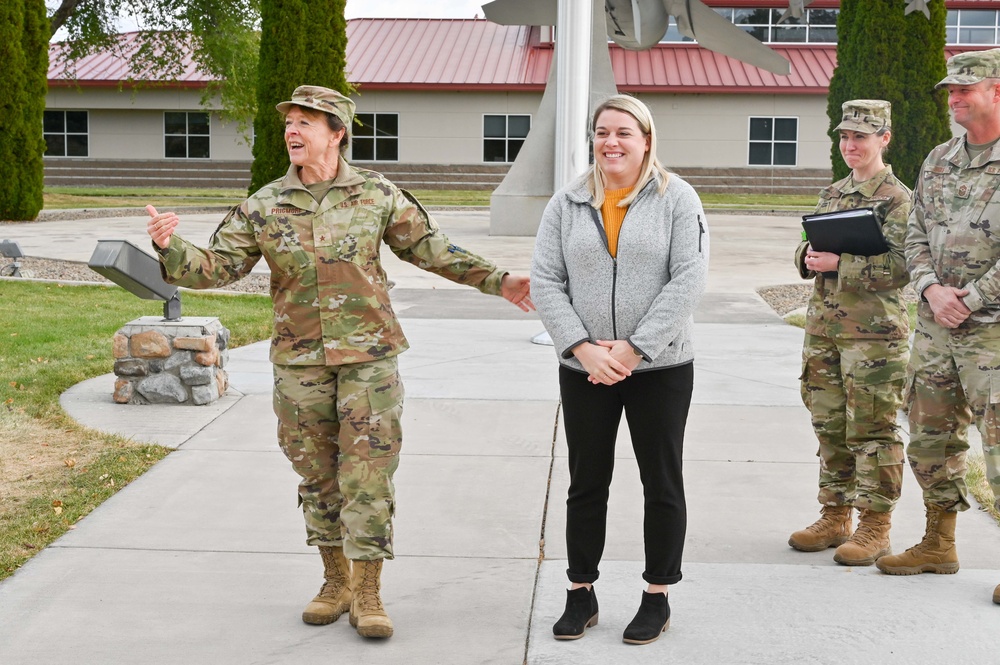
(65, 10)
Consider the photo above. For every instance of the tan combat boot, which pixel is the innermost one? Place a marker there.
(830, 530)
(934, 554)
(367, 612)
(334, 597)
(869, 542)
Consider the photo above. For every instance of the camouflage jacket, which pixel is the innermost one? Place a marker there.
(950, 237)
(328, 287)
(864, 300)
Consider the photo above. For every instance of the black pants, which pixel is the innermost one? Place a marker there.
(656, 404)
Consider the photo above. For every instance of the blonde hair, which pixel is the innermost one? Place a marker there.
(651, 165)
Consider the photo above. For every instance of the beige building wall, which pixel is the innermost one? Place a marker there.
(444, 127)
(696, 130)
(129, 125)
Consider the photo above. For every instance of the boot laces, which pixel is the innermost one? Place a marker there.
(335, 578)
(864, 534)
(368, 595)
(930, 535)
(826, 522)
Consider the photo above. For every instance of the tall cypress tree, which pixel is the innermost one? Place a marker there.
(884, 54)
(35, 43)
(924, 120)
(24, 54)
(301, 43)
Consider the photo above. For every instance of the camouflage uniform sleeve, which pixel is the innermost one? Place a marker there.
(414, 237)
(983, 291)
(882, 272)
(917, 248)
(800, 261)
(231, 254)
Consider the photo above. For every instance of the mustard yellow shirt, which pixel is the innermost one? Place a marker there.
(613, 216)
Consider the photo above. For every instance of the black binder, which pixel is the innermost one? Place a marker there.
(856, 231)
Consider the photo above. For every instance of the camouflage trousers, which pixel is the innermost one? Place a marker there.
(853, 389)
(956, 377)
(339, 426)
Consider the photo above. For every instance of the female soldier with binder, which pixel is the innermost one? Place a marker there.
(855, 351)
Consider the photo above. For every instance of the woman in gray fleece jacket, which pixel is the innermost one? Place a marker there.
(617, 300)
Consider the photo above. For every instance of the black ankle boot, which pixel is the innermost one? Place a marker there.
(650, 621)
(580, 614)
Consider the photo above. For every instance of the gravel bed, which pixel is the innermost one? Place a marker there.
(785, 298)
(74, 271)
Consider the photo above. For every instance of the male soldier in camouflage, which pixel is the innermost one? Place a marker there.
(855, 351)
(952, 251)
(337, 392)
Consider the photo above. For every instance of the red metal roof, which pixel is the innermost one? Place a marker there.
(688, 68)
(110, 68)
(466, 54)
(444, 53)
(475, 54)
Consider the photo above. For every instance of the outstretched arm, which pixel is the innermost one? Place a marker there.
(517, 289)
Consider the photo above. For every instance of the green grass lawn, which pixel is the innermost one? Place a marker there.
(53, 471)
(58, 198)
(61, 198)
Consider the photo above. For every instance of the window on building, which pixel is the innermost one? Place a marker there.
(503, 136)
(815, 26)
(66, 133)
(773, 141)
(971, 26)
(186, 135)
(376, 138)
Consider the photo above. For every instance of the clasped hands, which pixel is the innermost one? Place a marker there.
(946, 303)
(607, 362)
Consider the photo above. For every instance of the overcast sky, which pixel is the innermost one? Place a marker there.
(414, 8)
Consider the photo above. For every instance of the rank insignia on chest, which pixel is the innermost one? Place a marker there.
(963, 191)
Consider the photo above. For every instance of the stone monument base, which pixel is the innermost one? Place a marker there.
(171, 362)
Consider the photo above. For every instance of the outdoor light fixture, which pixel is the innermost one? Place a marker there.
(11, 250)
(137, 272)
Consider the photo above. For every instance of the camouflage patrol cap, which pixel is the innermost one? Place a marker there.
(972, 67)
(321, 99)
(866, 116)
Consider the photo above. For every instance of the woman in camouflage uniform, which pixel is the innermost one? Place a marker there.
(337, 392)
(855, 351)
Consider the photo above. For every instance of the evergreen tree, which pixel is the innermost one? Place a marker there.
(301, 43)
(884, 54)
(35, 41)
(924, 118)
(24, 52)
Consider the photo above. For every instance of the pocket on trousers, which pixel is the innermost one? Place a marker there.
(804, 391)
(385, 399)
(991, 415)
(876, 402)
(890, 456)
(286, 410)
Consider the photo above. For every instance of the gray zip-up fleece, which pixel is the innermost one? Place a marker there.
(646, 295)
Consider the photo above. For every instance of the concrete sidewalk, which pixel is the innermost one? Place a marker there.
(202, 559)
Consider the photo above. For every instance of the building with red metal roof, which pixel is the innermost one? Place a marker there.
(435, 94)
